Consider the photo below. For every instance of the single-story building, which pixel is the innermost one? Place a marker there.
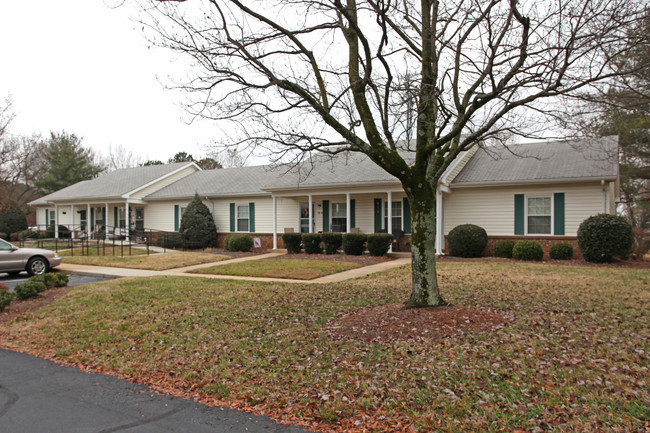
(540, 191)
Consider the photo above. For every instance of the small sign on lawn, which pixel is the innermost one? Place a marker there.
(257, 242)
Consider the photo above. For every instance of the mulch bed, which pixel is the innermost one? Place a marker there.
(629, 263)
(18, 308)
(364, 259)
(396, 323)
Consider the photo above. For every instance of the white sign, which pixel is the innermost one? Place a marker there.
(257, 242)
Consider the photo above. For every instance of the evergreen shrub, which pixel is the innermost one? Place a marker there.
(29, 289)
(238, 242)
(12, 220)
(528, 250)
(332, 242)
(293, 242)
(311, 243)
(5, 297)
(561, 251)
(354, 243)
(503, 248)
(603, 237)
(197, 225)
(170, 240)
(467, 240)
(379, 243)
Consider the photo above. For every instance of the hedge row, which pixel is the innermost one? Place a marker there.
(32, 287)
(352, 243)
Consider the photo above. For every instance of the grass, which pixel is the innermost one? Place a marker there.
(281, 268)
(575, 358)
(109, 250)
(154, 262)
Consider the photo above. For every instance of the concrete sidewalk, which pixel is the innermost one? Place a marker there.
(37, 395)
(109, 272)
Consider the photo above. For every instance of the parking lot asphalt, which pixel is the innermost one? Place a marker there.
(75, 279)
(37, 395)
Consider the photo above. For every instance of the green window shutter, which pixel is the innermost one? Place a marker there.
(176, 225)
(326, 215)
(92, 218)
(232, 217)
(353, 214)
(47, 217)
(407, 215)
(115, 216)
(558, 213)
(520, 213)
(377, 215)
(251, 217)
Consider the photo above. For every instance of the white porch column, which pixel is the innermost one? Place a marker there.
(88, 221)
(72, 229)
(389, 218)
(440, 233)
(128, 221)
(347, 212)
(56, 221)
(105, 220)
(275, 223)
(311, 215)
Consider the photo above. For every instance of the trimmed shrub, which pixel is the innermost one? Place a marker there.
(197, 225)
(379, 243)
(292, 241)
(64, 232)
(354, 243)
(238, 242)
(603, 237)
(503, 248)
(528, 250)
(27, 234)
(561, 251)
(311, 243)
(5, 297)
(332, 242)
(49, 279)
(29, 289)
(12, 220)
(61, 279)
(170, 240)
(467, 240)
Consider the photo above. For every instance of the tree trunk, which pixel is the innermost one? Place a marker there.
(425, 291)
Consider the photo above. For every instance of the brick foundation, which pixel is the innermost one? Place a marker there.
(266, 238)
(545, 241)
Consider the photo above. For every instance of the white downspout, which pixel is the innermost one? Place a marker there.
(275, 223)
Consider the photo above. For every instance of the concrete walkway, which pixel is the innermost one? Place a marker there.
(40, 396)
(110, 272)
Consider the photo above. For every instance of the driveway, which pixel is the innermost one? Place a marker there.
(40, 396)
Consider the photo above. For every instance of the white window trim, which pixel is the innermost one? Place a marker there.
(247, 206)
(549, 196)
(332, 213)
(384, 216)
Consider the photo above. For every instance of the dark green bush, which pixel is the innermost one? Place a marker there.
(64, 232)
(379, 243)
(238, 242)
(29, 289)
(311, 243)
(603, 237)
(292, 241)
(332, 242)
(5, 297)
(354, 243)
(503, 248)
(467, 240)
(12, 220)
(49, 279)
(170, 240)
(561, 251)
(27, 234)
(197, 225)
(528, 250)
(61, 279)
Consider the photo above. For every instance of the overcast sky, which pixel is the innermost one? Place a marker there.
(80, 66)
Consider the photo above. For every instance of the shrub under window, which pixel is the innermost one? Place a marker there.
(561, 251)
(467, 240)
(379, 243)
(332, 242)
(503, 248)
(354, 243)
(528, 250)
(293, 242)
(311, 243)
(238, 242)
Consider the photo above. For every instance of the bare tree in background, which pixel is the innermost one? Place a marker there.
(330, 76)
(119, 157)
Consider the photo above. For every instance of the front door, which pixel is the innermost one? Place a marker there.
(304, 217)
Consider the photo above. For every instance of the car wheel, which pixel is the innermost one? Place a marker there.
(37, 266)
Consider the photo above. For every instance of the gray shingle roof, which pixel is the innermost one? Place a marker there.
(219, 182)
(569, 160)
(111, 185)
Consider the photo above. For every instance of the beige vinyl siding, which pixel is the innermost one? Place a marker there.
(453, 171)
(493, 207)
(159, 215)
(139, 195)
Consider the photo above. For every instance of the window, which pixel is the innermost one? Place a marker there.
(339, 217)
(99, 217)
(242, 218)
(122, 217)
(139, 218)
(539, 213)
(304, 217)
(396, 209)
(52, 217)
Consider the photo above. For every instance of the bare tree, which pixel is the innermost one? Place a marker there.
(329, 76)
(118, 157)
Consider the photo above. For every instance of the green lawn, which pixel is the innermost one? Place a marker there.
(154, 262)
(575, 358)
(109, 250)
(281, 268)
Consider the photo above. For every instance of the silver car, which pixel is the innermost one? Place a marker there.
(35, 261)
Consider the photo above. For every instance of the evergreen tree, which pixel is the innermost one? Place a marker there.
(68, 163)
(197, 225)
(12, 220)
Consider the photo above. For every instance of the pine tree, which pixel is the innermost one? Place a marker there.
(197, 225)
